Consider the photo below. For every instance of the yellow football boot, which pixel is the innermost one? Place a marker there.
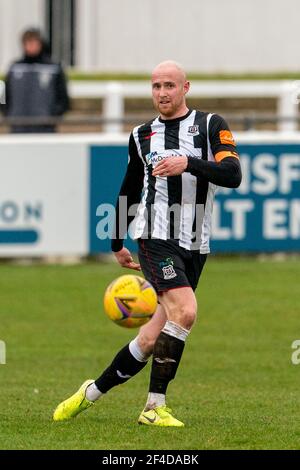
(72, 406)
(160, 416)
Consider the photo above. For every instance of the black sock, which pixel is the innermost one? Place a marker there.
(123, 367)
(166, 357)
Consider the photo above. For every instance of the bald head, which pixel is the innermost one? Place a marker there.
(170, 66)
(169, 87)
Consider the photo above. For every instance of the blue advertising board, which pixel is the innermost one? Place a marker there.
(107, 169)
(262, 215)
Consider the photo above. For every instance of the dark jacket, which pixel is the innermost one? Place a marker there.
(35, 88)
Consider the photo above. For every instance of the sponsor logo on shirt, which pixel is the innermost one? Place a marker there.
(153, 158)
(150, 135)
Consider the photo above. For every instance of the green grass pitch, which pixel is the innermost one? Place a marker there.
(236, 387)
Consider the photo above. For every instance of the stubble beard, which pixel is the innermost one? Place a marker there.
(168, 111)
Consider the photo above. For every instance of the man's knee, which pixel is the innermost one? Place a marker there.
(184, 315)
(188, 316)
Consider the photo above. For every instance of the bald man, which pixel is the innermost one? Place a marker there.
(176, 161)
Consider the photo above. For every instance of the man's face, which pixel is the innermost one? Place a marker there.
(169, 87)
(32, 47)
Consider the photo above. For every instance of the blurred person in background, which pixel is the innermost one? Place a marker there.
(35, 87)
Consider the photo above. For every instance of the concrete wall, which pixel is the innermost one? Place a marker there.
(15, 16)
(204, 35)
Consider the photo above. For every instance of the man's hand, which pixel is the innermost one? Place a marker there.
(124, 258)
(171, 166)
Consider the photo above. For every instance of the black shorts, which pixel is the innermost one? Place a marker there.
(166, 265)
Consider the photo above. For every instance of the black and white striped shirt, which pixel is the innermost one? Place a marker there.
(176, 207)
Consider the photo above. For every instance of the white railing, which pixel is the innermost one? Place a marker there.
(114, 93)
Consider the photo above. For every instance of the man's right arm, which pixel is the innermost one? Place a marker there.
(131, 188)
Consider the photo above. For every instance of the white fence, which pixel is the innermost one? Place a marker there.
(285, 91)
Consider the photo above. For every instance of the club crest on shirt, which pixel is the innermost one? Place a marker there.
(193, 130)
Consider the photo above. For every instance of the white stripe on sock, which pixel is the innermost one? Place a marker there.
(154, 400)
(92, 393)
(175, 330)
(136, 351)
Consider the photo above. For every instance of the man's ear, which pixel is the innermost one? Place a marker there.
(186, 86)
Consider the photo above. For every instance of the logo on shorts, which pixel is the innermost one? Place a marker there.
(169, 272)
(168, 268)
(193, 130)
(166, 262)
